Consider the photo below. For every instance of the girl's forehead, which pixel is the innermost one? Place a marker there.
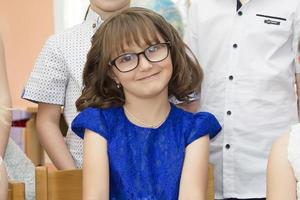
(142, 43)
(139, 42)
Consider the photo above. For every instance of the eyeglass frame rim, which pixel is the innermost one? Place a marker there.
(113, 62)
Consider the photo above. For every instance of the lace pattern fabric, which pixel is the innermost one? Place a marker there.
(145, 163)
(20, 168)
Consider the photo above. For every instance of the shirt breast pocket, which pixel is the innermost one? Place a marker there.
(270, 26)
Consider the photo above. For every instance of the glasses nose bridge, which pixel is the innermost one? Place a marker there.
(144, 54)
(145, 64)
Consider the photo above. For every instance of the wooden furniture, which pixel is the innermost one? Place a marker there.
(16, 190)
(33, 149)
(211, 185)
(67, 184)
(58, 185)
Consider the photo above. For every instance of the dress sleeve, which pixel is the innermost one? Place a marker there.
(203, 123)
(49, 77)
(92, 119)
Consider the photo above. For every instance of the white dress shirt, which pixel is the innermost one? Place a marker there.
(57, 75)
(249, 66)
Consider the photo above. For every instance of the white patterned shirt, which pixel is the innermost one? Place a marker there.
(249, 66)
(57, 75)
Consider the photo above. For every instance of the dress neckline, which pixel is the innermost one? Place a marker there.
(172, 108)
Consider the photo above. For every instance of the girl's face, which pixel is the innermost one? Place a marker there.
(152, 73)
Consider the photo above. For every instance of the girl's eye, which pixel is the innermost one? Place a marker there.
(153, 49)
(126, 58)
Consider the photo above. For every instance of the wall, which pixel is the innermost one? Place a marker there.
(24, 26)
(68, 13)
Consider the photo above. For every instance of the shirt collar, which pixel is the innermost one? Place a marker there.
(93, 19)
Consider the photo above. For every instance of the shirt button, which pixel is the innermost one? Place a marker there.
(230, 77)
(240, 13)
(94, 25)
(227, 146)
(228, 112)
(235, 45)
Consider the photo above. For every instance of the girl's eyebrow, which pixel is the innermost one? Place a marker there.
(132, 48)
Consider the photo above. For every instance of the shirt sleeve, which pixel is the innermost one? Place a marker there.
(296, 38)
(49, 77)
(203, 123)
(91, 119)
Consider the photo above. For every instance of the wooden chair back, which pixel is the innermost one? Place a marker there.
(58, 185)
(211, 185)
(67, 184)
(16, 190)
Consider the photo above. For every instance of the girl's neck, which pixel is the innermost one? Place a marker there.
(104, 14)
(147, 113)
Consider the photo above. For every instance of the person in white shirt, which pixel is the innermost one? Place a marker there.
(56, 81)
(247, 51)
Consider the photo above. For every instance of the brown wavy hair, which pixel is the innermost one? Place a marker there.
(125, 28)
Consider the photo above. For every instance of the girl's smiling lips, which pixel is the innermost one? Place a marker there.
(148, 77)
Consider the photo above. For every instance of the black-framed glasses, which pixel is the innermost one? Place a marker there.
(129, 61)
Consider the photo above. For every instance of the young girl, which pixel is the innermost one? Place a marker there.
(16, 165)
(284, 165)
(136, 144)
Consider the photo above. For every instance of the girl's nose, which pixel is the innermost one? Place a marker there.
(144, 64)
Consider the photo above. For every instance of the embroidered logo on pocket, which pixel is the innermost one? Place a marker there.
(271, 19)
(268, 21)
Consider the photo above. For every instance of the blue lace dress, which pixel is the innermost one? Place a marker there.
(145, 163)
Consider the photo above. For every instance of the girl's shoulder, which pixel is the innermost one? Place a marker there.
(94, 119)
(95, 115)
(198, 117)
(201, 122)
(99, 111)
